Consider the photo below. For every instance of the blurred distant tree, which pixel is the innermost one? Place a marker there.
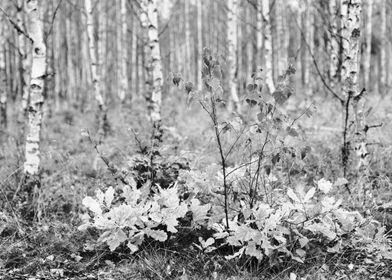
(368, 42)
(309, 37)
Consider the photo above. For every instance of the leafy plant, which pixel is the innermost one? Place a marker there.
(135, 214)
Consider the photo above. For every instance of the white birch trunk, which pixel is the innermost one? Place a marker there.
(94, 71)
(149, 19)
(232, 66)
(71, 92)
(267, 47)
(200, 44)
(123, 52)
(187, 61)
(383, 47)
(134, 64)
(351, 43)
(249, 44)
(259, 34)
(309, 37)
(38, 71)
(3, 79)
(101, 47)
(334, 46)
(25, 61)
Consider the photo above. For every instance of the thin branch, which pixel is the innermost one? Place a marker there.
(53, 18)
(16, 26)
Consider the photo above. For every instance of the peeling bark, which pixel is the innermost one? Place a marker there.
(38, 72)
(123, 52)
(200, 44)
(350, 43)
(149, 20)
(3, 81)
(102, 110)
(267, 47)
(232, 43)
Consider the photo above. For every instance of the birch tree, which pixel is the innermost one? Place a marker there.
(102, 111)
(267, 46)
(309, 37)
(199, 44)
(38, 72)
(23, 65)
(123, 51)
(232, 10)
(187, 60)
(101, 46)
(350, 43)
(351, 14)
(259, 34)
(149, 20)
(334, 46)
(383, 47)
(249, 43)
(3, 79)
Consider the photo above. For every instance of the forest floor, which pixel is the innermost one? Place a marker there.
(53, 248)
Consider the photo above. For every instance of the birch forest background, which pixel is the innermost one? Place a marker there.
(190, 139)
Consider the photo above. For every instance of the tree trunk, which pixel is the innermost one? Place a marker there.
(281, 35)
(267, 46)
(134, 64)
(24, 65)
(368, 43)
(102, 51)
(187, 61)
(38, 72)
(383, 47)
(239, 56)
(334, 46)
(249, 43)
(102, 121)
(309, 37)
(232, 66)
(259, 34)
(123, 52)
(200, 44)
(149, 20)
(350, 44)
(3, 80)
(70, 82)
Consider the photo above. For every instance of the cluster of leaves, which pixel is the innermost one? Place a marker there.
(297, 225)
(164, 171)
(300, 223)
(132, 214)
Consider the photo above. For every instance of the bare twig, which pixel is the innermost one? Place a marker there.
(53, 18)
(16, 26)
